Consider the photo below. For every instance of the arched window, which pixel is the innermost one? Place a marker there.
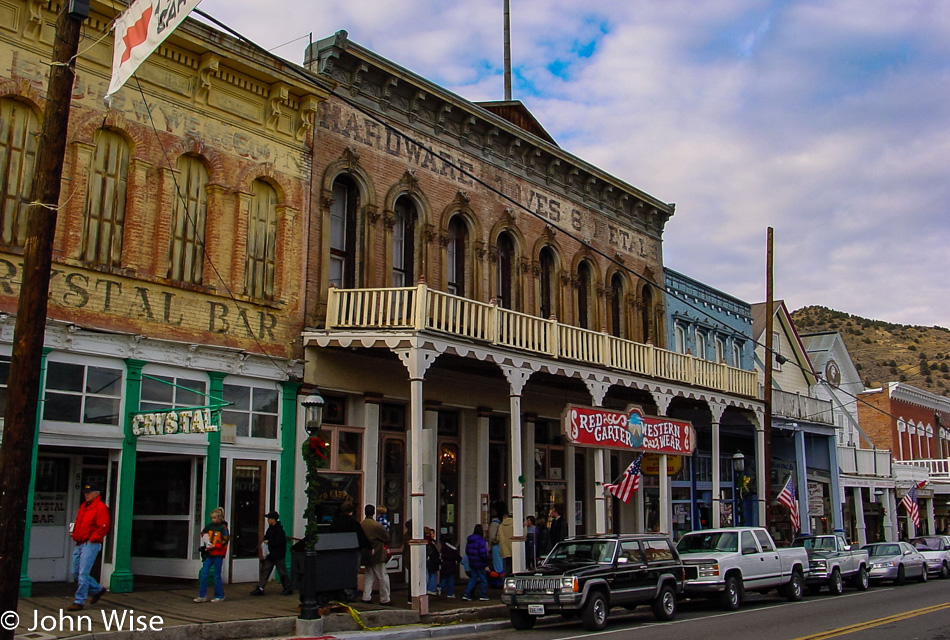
(679, 336)
(104, 217)
(646, 311)
(261, 254)
(456, 255)
(737, 354)
(546, 283)
(700, 345)
(505, 291)
(186, 256)
(19, 128)
(585, 287)
(343, 233)
(404, 245)
(616, 306)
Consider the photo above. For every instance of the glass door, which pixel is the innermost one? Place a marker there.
(247, 518)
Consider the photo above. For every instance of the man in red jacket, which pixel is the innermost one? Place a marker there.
(92, 523)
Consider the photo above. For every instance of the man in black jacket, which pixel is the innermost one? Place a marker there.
(276, 541)
(558, 525)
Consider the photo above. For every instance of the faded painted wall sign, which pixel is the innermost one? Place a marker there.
(78, 289)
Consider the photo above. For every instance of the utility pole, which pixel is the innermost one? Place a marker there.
(23, 388)
(507, 52)
(767, 365)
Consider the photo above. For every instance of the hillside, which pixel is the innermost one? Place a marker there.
(885, 352)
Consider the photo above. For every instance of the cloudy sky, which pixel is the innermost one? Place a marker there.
(826, 119)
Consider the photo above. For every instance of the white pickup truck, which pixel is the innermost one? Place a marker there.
(831, 561)
(725, 563)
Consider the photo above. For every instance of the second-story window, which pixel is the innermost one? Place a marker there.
(261, 253)
(679, 336)
(104, 217)
(700, 351)
(253, 410)
(456, 255)
(616, 306)
(404, 231)
(504, 291)
(585, 288)
(186, 259)
(720, 350)
(343, 233)
(19, 128)
(646, 314)
(736, 355)
(546, 283)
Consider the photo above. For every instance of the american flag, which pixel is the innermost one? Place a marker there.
(910, 504)
(787, 497)
(629, 482)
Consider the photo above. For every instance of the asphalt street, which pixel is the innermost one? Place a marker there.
(909, 612)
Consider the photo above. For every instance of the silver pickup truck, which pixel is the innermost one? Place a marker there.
(725, 563)
(832, 561)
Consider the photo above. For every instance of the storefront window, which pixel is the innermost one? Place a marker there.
(341, 480)
(168, 392)
(448, 489)
(253, 410)
(82, 393)
(393, 491)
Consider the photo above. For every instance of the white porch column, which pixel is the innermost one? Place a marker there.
(517, 378)
(716, 410)
(598, 390)
(931, 528)
(527, 464)
(891, 528)
(858, 497)
(417, 361)
(666, 506)
(430, 467)
(481, 471)
(371, 462)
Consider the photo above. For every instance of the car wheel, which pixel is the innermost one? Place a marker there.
(521, 620)
(835, 583)
(901, 575)
(594, 615)
(732, 595)
(923, 573)
(795, 587)
(944, 571)
(862, 581)
(664, 605)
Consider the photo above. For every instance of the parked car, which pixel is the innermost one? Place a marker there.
(589, 575)
(832, 561)
(936, 552)
(896, 561)
(725, 563)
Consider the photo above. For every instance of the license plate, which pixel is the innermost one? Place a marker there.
(536, 609)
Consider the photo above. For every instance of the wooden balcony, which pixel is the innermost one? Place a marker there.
(937, 469)
(864, 462)
(422, 309)
(798, 407)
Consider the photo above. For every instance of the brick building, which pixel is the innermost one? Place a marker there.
(913, 424)
(475, 281)
(176, 284)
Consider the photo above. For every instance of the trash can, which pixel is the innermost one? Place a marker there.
(335, 562)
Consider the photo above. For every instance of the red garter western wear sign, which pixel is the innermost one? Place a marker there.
(630, 429)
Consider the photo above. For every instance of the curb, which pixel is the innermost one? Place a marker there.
(409, 632)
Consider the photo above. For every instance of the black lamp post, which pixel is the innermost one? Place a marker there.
(313, 421)
(738, 466)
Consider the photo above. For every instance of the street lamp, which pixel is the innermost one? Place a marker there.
(738, 462)
(313, 421)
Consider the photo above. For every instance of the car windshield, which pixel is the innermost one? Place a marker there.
(700, 542)
(599, 551)
(883, 550)
(815, 543)
(926, 544)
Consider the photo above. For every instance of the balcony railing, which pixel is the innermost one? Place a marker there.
(422, 309)
(865, 462)
(799, 407)
(936, 468)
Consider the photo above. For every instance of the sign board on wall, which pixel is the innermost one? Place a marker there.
(627, 430)
(650, 465)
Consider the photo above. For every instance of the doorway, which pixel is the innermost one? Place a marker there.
(248, 497)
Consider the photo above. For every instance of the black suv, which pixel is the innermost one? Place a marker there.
(591, 574)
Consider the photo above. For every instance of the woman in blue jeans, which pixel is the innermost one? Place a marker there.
(476, 550)
(214, 546)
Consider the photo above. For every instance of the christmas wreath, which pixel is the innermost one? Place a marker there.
(316, 452)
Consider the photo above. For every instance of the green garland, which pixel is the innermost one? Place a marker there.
(315, 452)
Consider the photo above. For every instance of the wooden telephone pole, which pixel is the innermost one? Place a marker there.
(768, 360)
(16, 452)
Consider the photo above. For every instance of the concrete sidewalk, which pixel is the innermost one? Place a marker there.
(167, 612)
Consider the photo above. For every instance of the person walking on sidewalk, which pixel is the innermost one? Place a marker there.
(214, 546)
(375, 559)
(506, 531)
(450, 566)
(476, 550)
(557, 523)
(274, 557)
(89, 530)
(433, 562)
